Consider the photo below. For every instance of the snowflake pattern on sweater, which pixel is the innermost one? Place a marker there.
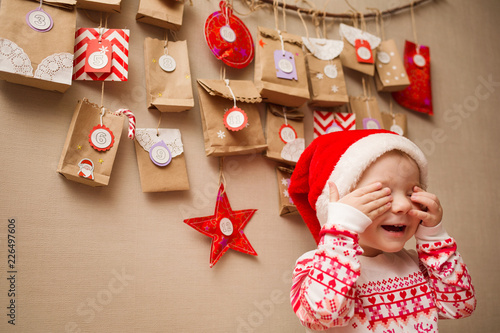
(338, 290)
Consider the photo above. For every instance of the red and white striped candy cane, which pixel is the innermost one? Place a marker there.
(131, 121)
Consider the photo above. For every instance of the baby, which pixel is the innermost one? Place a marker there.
(362, 195)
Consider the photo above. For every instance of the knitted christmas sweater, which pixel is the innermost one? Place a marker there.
(337, 289)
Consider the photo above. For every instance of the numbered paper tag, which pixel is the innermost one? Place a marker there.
(383, 57)
(235, 119)
(419, 60)
(397, 129)
(226, 226)
(98, 56)
(363, 51)
(39, 20)
(160, 154)
(101, 138)
(331, 71)
(227, 34)
(370, 123)
(287, 133)
(285, 65)
(167, 63)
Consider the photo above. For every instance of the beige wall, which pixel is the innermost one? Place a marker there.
(146, 270)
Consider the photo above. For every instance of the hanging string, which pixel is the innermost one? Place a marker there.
(222, 178)
(304, 23)
(284, 115)
(231, 91)
(159, 122)
(379, 22)
(414, 26)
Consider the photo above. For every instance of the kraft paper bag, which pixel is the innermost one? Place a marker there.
(395, 122)
(391, 73)
(280, 73)
(80, 161)
(160, 156)
(286, 204)
(349, 55)
(165, 14)
(168, 82)
(368, 115)
(41, 58)
(284, 134)
(325, 73)
(216, 102)
(110, 6)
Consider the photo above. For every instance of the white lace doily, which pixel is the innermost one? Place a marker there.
(351, 34)
(57, 67)
(147, 137)
(292, 150)
(324, 49)
(13, 59)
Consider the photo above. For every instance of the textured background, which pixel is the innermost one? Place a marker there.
(115, 259)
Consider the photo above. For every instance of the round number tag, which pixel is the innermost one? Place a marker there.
(287, 133)
(397, 129)
(160, 154)
(331, 71)
(384, 57)
(167, 63)
(98, 60)
(39, 20)
(227, 34)
(226, 226)
(285, 65)
(235, 119)
(370, 123)
(101, 138)
(364, 53)
(419, 60)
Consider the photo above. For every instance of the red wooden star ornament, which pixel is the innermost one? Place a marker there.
(225, 227)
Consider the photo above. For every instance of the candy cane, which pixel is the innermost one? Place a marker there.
(131, 121)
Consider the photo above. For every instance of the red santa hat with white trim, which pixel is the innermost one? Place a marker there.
(342, 157)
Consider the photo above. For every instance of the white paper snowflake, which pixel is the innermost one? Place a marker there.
(319, 76)
(284, 182)
(221, 134)
(285, 193)
(335, 89)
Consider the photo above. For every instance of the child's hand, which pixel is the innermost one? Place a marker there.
(432, 212)
(372, 200)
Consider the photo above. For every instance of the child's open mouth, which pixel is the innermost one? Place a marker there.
(394, 228)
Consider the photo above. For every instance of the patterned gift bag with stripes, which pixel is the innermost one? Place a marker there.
(327, 122)
(119, 40)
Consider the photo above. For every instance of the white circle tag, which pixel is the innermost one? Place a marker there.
(331, 71)
(383, 57)
(235, 119)
(397, 129)
(287, 133)
(419, 60)
(39, 20)
(371, 124)
(285, 65)
(167, 63)
(101, 138)
(227, 34)
(98, 60)
(226, 226)
(364, 53)
(160, 155)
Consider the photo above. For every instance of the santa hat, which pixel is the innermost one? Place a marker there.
(341, 157)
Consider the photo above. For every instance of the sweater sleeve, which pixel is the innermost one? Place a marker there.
(324, 280)
(446, 272)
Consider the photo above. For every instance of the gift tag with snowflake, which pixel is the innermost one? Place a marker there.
(98, 56)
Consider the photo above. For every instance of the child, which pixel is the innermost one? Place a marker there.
(361, 193)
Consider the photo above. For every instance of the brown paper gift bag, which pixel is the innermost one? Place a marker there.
(367, 112)
(80, 162)
(38, 59)
(292, 91)
(395, 122)
(324, 69)
(286, 204)
(110, 6)
(391, 72)
(169, 89)
(161, 176)
(215, 98)
(284, 133)
(349, 57)
(161, 13)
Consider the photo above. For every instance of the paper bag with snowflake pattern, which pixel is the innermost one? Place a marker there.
(36, 43)
(286, 205)
(230, 117)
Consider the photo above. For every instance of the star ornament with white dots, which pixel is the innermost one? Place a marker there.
(225, 227)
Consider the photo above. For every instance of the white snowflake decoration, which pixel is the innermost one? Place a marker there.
(221, 134)
(319, 76)
(284, 182)
(285, 193)
(335, 89)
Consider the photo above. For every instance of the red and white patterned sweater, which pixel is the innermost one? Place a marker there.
(337, 289)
